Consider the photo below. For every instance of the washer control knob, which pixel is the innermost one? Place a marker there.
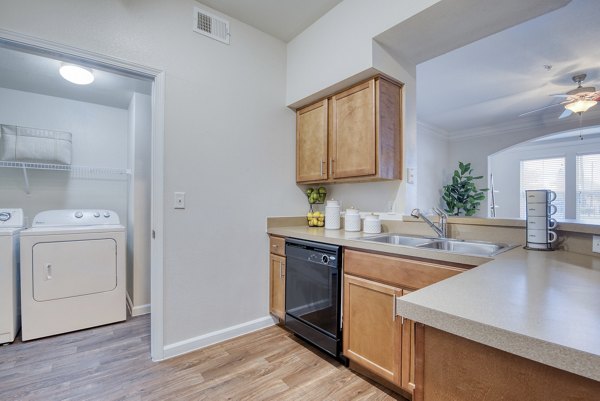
(78, 214)
(4, 216)
(96, 214)
(107, 214)
(325, 259)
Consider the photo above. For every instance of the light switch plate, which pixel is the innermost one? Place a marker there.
(596, 244)
(179, 200)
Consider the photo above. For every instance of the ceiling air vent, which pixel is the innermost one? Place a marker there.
(211, 25)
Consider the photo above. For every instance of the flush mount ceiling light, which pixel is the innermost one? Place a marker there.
(580, 106)
(76, 74)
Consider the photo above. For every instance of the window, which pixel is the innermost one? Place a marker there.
(544, 174)
(588, 186)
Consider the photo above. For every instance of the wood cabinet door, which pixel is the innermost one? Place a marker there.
(372, 333)
(277, 286)
(354, 132)
(311, 143)
(408, 352)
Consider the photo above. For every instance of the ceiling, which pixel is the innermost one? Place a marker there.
(38, 74)
(492, 81)
(283, 19)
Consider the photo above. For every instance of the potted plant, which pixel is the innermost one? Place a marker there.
(462, 195)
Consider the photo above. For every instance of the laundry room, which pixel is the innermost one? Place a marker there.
(84, 150)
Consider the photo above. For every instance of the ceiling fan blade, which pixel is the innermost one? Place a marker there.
(560, 95)
(565, 113)
(543, 108)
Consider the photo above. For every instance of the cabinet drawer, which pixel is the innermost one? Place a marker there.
(277, 245)
(397, 271)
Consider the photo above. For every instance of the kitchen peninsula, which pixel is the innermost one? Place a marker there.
(528, 319)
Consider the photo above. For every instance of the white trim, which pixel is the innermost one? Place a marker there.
(158, 109)
(434, 130)
(157, 223)
(136, 310)
(532, 123)
(195, 343)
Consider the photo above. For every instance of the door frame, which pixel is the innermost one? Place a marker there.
(44, 47)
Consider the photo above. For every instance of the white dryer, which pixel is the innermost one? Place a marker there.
(11, 223)
(72, 272)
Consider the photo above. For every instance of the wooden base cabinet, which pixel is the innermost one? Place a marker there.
(372, 332)
(277, 277)
(375, 338)
(452, 368)
(354, 135)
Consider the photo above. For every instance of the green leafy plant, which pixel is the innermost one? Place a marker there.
(462, 194)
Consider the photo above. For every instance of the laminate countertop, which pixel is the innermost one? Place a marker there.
(544, 306)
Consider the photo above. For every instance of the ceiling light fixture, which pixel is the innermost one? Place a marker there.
(580, 106)
(76, 74)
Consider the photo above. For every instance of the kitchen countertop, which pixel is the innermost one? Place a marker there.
(544, 306)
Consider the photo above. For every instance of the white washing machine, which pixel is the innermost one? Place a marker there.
(72, 272)
(11, 223)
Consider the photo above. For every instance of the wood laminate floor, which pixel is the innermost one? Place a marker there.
(113, 363)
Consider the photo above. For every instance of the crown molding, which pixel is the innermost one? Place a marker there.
(436, 131)
(534, 123)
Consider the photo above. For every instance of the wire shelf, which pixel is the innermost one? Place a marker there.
(77, 170)
(74, 171)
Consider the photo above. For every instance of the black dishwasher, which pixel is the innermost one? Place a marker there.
(312, 293)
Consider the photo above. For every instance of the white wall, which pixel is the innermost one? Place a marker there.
(433, 170)
(339, 45)
(99, 140)
(505, 166)
(139, 217)
(229, 144)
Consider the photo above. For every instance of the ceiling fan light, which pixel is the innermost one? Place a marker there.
(580, 106)
(76, 74)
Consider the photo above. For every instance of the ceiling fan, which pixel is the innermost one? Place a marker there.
(577, 100)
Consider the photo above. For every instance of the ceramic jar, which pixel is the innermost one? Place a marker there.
(372, 224)
(332, 215)
(352, 220)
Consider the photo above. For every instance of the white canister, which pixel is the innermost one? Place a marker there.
(372, 224)
(352, 220)
(332, 215)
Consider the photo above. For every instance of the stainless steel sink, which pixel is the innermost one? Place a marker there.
(397, 239)
(468, 247)
(478, 248)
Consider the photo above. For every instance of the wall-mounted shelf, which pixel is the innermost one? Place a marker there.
(77, 171)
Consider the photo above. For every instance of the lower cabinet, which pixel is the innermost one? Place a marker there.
(277, 277)
(372, 332)
(374, 337)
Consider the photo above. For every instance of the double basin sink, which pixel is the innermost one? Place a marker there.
(477, 248)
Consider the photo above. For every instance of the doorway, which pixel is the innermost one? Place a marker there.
(117, 150)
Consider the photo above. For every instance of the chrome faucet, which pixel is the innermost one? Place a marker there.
(441, 229)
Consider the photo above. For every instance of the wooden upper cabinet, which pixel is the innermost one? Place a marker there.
(354, 135)
(311, 143)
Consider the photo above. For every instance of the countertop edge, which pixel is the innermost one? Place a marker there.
(547, 353)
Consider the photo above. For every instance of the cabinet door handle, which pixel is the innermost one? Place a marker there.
(275, 246)
(394, 308)
(331, 167)
(322, 167)
(280, 270)
(48, 271)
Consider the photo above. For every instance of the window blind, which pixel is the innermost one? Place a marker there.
(544, 174)
(588, 186)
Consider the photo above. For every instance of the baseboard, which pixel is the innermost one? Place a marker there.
(193, 344)
(137, 310)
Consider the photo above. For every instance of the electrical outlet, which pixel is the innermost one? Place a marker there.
(596, 244)
(410, 175)
(179, 200)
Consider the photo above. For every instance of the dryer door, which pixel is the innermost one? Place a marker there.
(73, 268)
